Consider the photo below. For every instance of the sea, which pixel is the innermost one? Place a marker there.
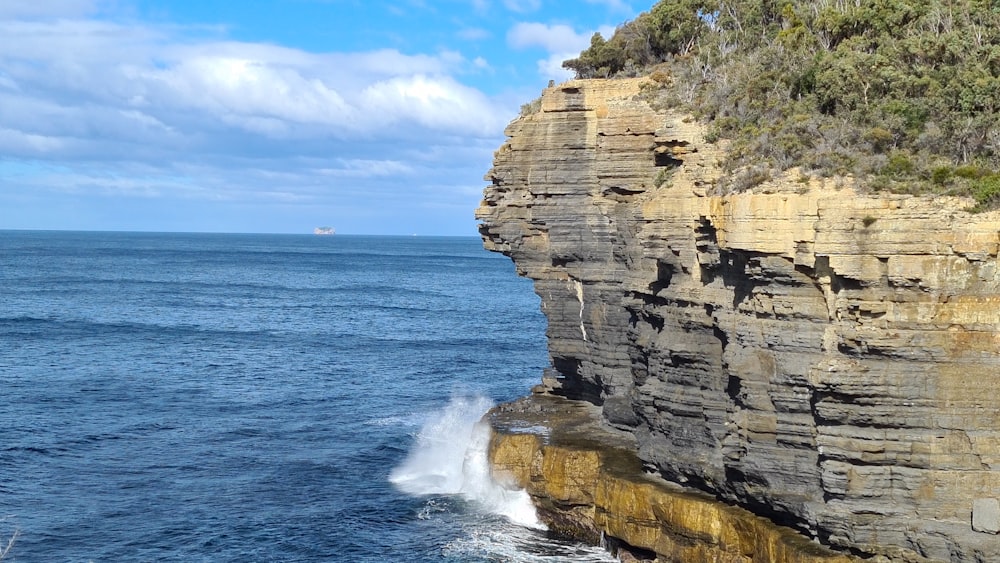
(238, 397)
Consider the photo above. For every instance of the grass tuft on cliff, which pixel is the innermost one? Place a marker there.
(899, 95)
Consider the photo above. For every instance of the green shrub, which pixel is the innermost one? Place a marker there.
(534, 106)
(899, 165)
(884, 92)
(970, 172)
(880, 138)
(664, 176)
(986, 192)
(941, 175)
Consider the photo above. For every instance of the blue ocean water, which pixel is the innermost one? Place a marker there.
(206, 397)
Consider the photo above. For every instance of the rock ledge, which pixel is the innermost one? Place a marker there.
(588, 484)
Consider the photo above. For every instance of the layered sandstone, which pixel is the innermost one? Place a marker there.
(820, 357)
(590, 485)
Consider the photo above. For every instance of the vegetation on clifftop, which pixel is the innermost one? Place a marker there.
(899, 95)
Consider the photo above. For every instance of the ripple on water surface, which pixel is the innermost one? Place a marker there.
(246, 397)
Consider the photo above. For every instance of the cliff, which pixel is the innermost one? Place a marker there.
(822, 358)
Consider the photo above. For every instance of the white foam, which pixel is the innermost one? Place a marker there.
(396, 420)
(524, 546)
(449, 457)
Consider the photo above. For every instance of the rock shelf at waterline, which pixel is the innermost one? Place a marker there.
(589, 485)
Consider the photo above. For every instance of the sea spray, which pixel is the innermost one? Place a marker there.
(449, 457)
(478, 484)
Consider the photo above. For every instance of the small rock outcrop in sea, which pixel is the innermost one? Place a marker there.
(825, 359)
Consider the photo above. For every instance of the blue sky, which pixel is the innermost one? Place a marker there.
(270, 116)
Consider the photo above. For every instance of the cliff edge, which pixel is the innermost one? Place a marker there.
(823, 358)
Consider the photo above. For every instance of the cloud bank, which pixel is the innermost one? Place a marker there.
(108, 120)
(98, 107)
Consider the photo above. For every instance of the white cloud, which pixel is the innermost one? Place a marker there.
(561, 41)
(366, 168)
(438, 102)
(522, 6)
(481, 6)
(263, 89)
(614, 5)
(250, 88)
(13, 142)
(552, 38)
(552, 68)
(46, 8)
(474, 34)
(114, 110)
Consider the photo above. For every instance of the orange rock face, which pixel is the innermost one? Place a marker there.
(588, 484)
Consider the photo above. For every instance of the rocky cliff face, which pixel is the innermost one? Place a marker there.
(826, 359)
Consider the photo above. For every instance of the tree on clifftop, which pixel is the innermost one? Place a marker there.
(898, 94)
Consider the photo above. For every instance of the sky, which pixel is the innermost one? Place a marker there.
(270, 116)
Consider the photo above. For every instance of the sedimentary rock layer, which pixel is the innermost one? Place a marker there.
(823, 358)
(591, 486)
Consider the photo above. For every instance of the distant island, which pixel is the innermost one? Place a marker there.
(324, 231)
